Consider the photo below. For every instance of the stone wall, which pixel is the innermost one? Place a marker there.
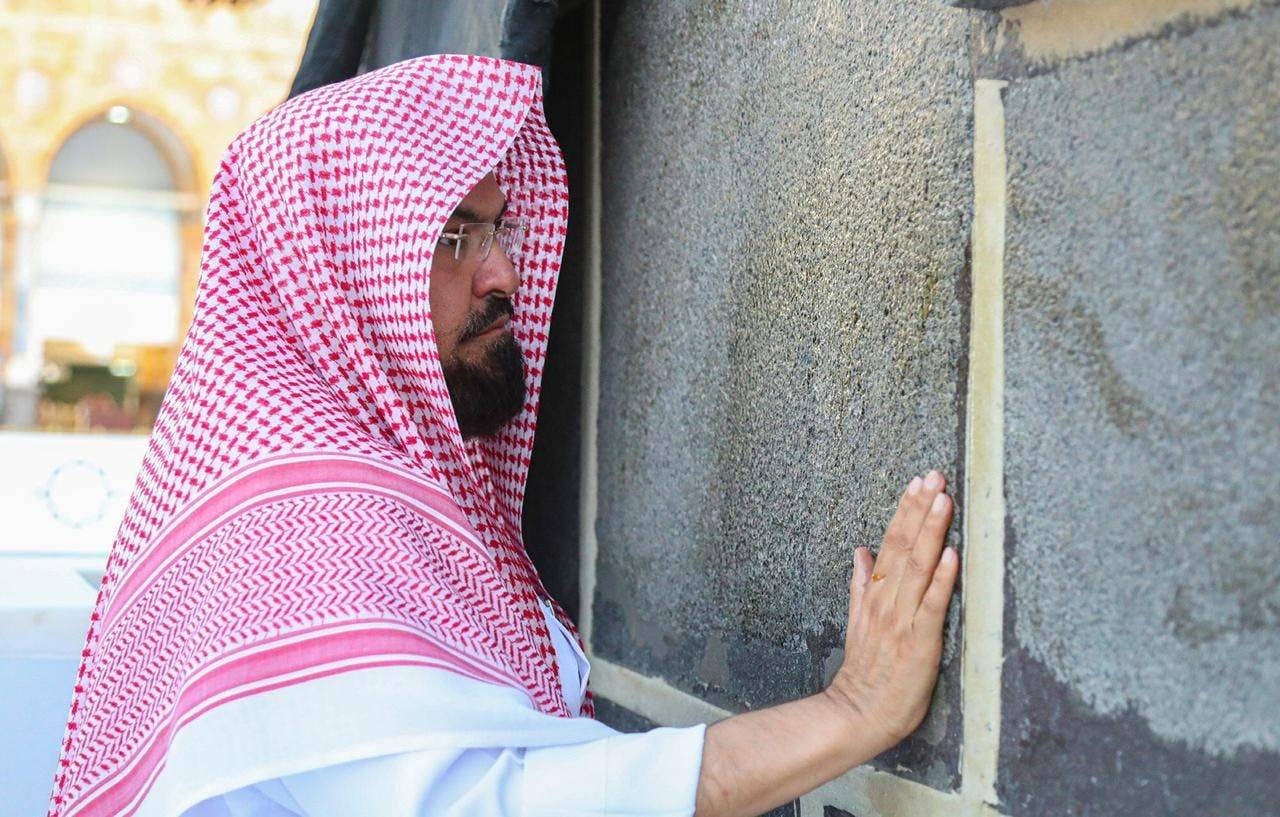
(844, 242)
(1142, 651)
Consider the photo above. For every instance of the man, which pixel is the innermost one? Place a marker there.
(472, 284)
(318, 602)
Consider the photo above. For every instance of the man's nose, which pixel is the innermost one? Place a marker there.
(496, 275)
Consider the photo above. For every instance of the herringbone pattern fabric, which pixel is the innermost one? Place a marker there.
(306, 504)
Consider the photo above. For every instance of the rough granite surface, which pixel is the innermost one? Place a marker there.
(785, 287)
(1142, 668)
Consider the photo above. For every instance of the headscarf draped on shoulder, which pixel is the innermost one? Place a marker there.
(307, 508)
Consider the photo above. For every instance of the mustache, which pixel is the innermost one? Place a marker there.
(495, 307)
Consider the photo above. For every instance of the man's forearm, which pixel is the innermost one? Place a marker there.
(759, 760)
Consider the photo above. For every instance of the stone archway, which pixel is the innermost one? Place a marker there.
(101, 289)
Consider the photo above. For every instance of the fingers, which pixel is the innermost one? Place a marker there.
(918, 571)
(905, 526)
(933, 607)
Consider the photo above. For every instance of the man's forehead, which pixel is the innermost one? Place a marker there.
(480, 211)
(484, 202)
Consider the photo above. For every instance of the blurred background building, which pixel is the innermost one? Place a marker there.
(113, 118)
(115, 114)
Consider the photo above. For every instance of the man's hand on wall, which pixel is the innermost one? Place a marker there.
(757, 760)
(896, 610)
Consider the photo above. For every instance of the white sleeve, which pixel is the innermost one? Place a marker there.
(647, 774)
(467, 747)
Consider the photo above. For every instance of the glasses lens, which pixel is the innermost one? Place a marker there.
(511, 236)
(477, 239)
(471, 243)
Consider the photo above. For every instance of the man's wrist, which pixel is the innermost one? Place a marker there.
(865, 739)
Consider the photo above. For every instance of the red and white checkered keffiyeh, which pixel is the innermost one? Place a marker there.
(306, 506)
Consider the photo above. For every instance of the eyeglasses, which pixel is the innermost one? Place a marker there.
(472, 242)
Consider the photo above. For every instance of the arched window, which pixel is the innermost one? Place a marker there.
(99, 314)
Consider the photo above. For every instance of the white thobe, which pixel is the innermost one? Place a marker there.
(649, 773)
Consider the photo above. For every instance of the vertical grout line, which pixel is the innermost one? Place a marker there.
(591, 342)
(984, 458)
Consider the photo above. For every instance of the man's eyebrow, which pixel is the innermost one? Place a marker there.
(465, 213)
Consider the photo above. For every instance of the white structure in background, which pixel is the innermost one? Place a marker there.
(120, 112)
(98, 263)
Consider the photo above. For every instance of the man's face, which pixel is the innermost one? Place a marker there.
(470, 310)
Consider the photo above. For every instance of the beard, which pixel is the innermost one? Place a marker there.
(488, 392)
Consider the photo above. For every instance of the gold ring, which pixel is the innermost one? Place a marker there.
(875, 577)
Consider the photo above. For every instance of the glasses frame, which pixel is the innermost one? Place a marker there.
(464, 233)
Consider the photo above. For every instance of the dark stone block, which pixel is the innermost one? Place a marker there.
(1142, 423)
(988, 5)
(1059, 757)
(785, 296)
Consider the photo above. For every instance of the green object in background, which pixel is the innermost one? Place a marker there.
(84, 379)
